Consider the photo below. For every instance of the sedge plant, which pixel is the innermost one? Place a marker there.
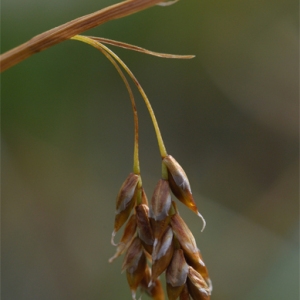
(155, 240)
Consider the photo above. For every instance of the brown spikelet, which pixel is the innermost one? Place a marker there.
(198, 264)
(125, 201)
(180, 185)
(159, 208)
(135, 265)
(197, 286)
(155, 290)
(161, 201)
(162, 253)
(176, 275)
(144, 227)
(185, 237)
(127, 237)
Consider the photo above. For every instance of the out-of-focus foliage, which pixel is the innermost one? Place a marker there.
(230, 116)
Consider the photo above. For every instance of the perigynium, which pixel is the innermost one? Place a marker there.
(155, 239)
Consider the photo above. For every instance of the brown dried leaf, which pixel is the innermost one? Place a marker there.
(139, 49)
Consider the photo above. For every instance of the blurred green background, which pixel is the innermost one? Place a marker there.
(229, 116)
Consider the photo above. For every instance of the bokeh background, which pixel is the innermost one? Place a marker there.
(229, 116)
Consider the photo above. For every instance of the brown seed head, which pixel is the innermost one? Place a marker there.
(176, 275)
(197, 285)
(180, 185)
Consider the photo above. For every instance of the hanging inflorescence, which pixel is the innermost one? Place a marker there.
(155, 238)
(156, 233)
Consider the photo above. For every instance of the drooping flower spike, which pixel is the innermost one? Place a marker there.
(155, 238)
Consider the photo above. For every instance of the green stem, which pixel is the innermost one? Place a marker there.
(162, 148)
(136, 164)
(164, 172)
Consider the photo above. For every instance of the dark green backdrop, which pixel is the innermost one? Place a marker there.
(229, 116)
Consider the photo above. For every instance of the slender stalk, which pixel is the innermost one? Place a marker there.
(66, 31)
(136, 163)
(162, 148)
